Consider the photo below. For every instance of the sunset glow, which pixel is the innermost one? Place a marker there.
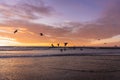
(78, 22)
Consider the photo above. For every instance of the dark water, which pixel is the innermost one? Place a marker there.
(100, 64)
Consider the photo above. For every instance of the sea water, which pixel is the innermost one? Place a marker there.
(36, 63)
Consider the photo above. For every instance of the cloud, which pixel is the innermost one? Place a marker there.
(51, 34)
(105, 27)
(5, 41)
(76, 33)
(27, 9)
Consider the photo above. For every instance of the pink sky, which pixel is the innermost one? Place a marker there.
(78, 22)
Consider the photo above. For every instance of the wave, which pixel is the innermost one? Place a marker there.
(14, 48)
(91, 71)
(24, 48)
(54, 55)
(45, 55)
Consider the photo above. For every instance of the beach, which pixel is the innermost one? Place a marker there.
(59, 40)
(24, 65)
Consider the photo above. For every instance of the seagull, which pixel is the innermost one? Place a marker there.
(52, 45)
(65, 44)
(41, 34)
(15, 31)
(58, 44)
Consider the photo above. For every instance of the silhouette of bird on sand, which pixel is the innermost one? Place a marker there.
(41, 34)
(15, 31)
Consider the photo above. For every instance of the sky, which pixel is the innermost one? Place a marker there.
(78, 22)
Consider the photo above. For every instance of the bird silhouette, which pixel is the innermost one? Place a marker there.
(52, 45)
(65, 44)
(15, 31)
(41, 34)
(58, 44)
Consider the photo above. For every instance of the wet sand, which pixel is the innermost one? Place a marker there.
(61, 68)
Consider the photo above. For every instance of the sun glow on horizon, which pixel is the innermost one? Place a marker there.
(5, 41)
(60, 21)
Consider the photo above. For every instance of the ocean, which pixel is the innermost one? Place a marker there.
(45, 63)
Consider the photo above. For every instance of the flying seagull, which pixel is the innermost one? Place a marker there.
(65, 44)
(52, 45)
(41, 34)
(58, 44)
(15, 31)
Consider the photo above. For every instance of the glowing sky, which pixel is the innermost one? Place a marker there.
(78, 22)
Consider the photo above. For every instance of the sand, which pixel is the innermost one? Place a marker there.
(61, 68)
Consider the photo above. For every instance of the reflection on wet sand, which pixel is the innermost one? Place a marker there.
(61, 68)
